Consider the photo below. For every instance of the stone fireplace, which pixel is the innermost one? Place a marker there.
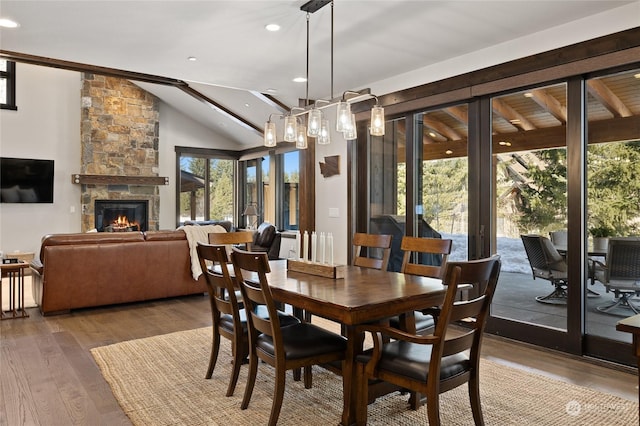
(119, 137)
(121, 215)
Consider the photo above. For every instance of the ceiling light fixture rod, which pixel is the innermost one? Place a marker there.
(314, 124)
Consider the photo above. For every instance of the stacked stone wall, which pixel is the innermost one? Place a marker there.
(119, 137)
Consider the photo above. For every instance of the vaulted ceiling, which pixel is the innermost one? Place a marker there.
(243, 73)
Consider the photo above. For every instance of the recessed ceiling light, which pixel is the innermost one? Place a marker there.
(448, 152)
(432, 134)
(8, 23)
(637, 75)
(272, 27)
(299, 79)
(247, 105)
(528, 95)
(192, 58)
(272, 90)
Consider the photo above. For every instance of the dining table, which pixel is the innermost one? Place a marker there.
(361, 296)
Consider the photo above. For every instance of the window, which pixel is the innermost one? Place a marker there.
(206, 188)
(278, 176)
(7, 85)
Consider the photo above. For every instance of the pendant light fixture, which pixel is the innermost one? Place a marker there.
(317, 126)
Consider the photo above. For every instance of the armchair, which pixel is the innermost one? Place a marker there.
(620, 274)
(548, 264)
(267, 240)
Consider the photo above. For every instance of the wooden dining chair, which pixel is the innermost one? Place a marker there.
(439, 362)
(285, 348)
(228, 317)
(371, 250)
(231, 239)
(415, 248)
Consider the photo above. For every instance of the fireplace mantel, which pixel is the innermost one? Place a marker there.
(118, 180)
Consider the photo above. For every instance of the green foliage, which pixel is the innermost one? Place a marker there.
(444, 192)
(543, 203)
(613, 190)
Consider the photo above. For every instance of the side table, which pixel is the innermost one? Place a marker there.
(632, 325)
(15, 272)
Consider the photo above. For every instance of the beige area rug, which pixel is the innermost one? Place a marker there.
(160, 381)
(28, 298)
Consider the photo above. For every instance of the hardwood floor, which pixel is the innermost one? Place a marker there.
(48, 377)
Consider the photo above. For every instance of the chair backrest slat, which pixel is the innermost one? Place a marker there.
(213, 262)
(483, 274)
(251, 270)
(378, 247)
(436, 246)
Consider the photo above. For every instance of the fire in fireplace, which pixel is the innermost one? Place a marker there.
(121, 215)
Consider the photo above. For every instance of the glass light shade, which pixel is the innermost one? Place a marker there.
(350, 130)
(324, 138)
(377, 121)
(290, 126)
(315, 121)
(343, 116)
(301, 139)
(270, 138)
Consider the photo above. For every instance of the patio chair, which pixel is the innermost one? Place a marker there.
(620, 275)
(546, 263)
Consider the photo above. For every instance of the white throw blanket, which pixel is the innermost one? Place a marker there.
(198, 234)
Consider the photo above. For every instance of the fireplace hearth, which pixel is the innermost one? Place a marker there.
(121, 215)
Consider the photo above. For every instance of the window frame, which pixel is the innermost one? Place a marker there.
(10, 78)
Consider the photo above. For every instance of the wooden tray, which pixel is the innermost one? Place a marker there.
(319, 269)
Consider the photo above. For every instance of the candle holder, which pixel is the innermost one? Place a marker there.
(319, 269)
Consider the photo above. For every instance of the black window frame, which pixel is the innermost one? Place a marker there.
(10, 77)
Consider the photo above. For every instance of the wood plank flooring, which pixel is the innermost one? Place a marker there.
(48, 377)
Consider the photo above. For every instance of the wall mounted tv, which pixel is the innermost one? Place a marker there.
(25, 180)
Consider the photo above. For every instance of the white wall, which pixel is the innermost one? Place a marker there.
(609, 22)
(176, 129)
(47, 126)
(331, 193)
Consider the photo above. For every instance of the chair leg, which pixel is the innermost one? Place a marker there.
(474, 398)
(278, 396)
(237, 362)
(308, 378)
(622, 301)
(433, 409)
(251, 380)
(213, 358)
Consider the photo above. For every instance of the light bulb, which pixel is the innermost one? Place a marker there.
(377, 121)
(270, 134)
(315, 121)
(290, 126)
(324, 138)
(350, 131)
(301, 138)
(343, 116)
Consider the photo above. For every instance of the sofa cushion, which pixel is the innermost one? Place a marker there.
(265, 234)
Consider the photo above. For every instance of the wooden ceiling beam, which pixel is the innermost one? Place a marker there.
(550, 104)
(511, 115)
(606, 97)
(440, 127)
(603, 131)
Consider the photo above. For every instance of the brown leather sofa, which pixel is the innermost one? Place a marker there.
(95, 269)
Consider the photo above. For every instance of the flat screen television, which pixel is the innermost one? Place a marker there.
(25, 180)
